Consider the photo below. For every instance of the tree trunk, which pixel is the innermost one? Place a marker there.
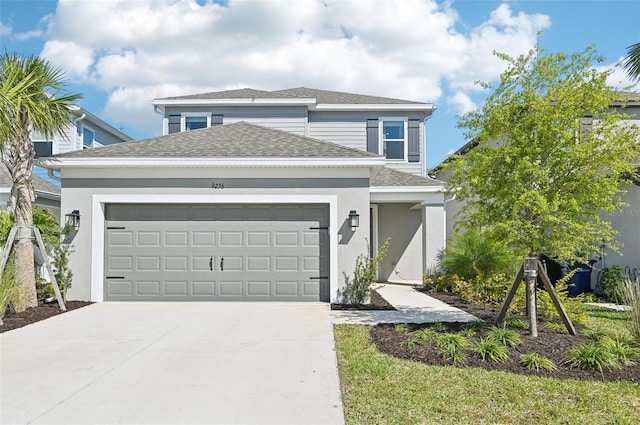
(19, 160)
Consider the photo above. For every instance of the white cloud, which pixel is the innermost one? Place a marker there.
(136, 50)
(461, 102)
(618, 78)
(5, 29)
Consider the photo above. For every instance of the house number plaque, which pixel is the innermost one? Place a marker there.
(217, 185)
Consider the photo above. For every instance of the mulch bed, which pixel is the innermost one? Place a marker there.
(31, 315)
(550, 344)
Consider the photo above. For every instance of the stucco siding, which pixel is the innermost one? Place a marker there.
(88, 257)
(403, 226)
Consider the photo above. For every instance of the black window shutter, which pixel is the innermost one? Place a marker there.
(174, 123)
(372, 136)
(216, 120)
(414, 141)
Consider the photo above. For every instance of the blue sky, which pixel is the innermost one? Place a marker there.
(120, 54)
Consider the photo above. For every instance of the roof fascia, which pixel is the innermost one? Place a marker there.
(407, 189)
(53, 163)
(427, 107)
(97, 122)
(162, 103)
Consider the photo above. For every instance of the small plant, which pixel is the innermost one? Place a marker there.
(534, 361)
(64, 275)
(613, 280)
(8, 287)
(631, 297)
(438, 327)
(591, 356)
(419, 337)
(488, 349)
(364, 275)
(594, 334)
(555, 327)
(515, 322)
(505, 336)
(453, 353)
(401, 327)
(622, 350)
(451, 346)
(468, 332)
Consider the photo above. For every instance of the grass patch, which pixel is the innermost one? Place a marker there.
(380, 389)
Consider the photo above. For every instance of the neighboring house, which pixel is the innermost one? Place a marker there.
(253, 195)
(625, 222)
(86, 131)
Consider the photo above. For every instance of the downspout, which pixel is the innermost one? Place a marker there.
(446, 201)
(75, 128)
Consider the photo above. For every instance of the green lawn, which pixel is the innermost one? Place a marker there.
(380, 389)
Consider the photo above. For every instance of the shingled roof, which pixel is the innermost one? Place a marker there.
(237, 140)
(390, 177)
(321, 96)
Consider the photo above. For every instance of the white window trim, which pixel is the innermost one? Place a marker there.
(381, 121)
(93, 142)
(183, 118)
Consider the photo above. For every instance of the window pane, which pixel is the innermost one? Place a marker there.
(394, 150)
(87, 138)
(194, 123)
(393, 129)
(42, 149)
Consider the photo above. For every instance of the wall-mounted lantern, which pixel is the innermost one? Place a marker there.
(354, 220)
(73, 220)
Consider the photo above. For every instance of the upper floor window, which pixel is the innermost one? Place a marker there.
(394, 138)
(88, 137)
(195, 122)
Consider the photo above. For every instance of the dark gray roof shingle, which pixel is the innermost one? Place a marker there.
(390, 177)
(237, 140)
(321, 96)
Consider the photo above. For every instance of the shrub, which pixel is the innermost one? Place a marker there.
(591, 356)
(622, 350)
(364, 275)
(573, 306)
(488, 349)
(448, 339)
(631, 297)
(476, 253)
(504, 336)
(453, 353)
(515, 322)
(613, 279)
(64, 275)
(482, 289)
(535, 361)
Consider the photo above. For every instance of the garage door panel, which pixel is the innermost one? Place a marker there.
(176, 287)
(203, 239)
(176, 263)
(173, 260)
(176, 239)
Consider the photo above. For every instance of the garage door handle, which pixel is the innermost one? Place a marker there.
(318, 277)
(211, 264)
(222, 264)
(115, 277)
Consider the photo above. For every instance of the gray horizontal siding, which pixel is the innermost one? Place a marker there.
(291, 119)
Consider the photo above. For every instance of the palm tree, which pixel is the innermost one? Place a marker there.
(31, 98)
(631, 63)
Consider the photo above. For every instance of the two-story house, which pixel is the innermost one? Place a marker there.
(255, 195)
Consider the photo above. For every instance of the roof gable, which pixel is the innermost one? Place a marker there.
(237, 140)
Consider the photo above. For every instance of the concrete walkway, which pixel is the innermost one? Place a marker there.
(412, 307)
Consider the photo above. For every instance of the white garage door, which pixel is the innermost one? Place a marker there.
(216, 253)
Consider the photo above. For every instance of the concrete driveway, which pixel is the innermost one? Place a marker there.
(173, 363)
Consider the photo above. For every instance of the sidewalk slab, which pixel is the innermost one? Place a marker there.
(411, 307)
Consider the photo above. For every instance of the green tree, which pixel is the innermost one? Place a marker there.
(551, 155)
(631, 63)
(31, 98)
